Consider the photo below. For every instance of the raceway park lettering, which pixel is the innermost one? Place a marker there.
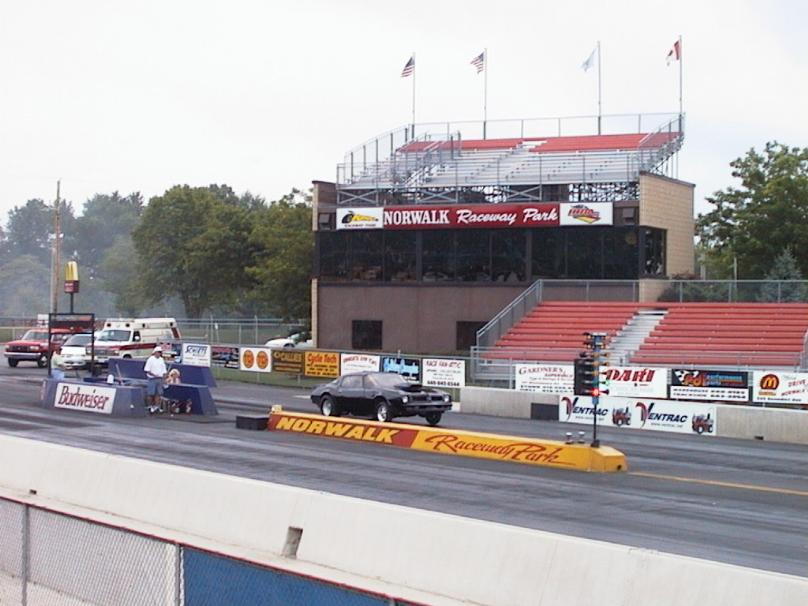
(505, 451)
(347, 431)
(481, 215)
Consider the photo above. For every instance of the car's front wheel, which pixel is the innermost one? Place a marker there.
(42, 361)
(433, 418)
(13, 363)
(383, 412)
(328, 407)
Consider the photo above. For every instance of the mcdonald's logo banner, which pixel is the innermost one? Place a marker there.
(776, 387)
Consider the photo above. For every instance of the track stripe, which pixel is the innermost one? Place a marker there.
(658, 476)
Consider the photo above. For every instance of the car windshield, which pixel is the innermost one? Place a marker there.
(35, 335)
(78, 341)
(114, 335)
(387, 379)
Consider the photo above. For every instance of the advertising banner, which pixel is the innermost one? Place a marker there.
(224, 355)
(659, 415)
(586, 214)
(409, 368)
(700, 384)
(440, 372)
(780, 387)
(359, 218)
(352, 362)
(196, 354)
(637, 381)
(545, 378)
(472, 216)
(255, 359)
(321, 364)
(287, 360)
(88, 398)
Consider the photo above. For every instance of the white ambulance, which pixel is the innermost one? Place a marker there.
(134, 337)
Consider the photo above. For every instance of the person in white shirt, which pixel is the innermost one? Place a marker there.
(155, 370)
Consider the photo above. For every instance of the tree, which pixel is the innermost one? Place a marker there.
(193, 245)
(24, 286)
(30, 229)
(284, 244)
(784, 268)
(121, 276)
(765, 215)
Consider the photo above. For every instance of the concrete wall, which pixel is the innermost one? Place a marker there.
(771, 424)
(501, 402)
(450, 558)
(668, 204)
(416, 320)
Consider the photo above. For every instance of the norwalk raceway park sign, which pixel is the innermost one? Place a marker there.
(460, 216)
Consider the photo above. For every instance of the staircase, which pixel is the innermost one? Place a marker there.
(636, 330)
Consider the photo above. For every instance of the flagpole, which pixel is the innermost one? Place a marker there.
(485, 92)
(413, 95)
(600, 112)
(681, 61)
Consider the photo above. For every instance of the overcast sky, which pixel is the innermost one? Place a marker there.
(266, 96)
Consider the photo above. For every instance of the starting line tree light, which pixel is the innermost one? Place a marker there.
(587, 375)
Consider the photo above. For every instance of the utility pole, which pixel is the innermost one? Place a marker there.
(56, 254)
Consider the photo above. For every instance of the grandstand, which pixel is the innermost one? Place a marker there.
(764, 335)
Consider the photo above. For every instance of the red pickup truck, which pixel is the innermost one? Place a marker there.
(33, 346)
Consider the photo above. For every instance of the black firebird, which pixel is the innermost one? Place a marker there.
(380, 395)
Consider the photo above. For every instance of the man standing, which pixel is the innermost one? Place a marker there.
(155, 370)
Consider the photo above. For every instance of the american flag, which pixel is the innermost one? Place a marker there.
(479, 62)
(675, 53)
(409, 68)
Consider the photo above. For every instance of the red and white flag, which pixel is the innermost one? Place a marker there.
(675, 53)
(409, 68)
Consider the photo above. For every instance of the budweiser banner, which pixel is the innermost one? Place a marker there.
(440, 372)
(699, 384)
(586, 214)
(84, 397)
(780, 387)
(641, 413)
(545, 378)
(352, 362)
(637, 381)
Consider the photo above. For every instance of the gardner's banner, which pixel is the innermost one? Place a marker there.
(545, 378)
(637, 381)
(287, 360)
(356, 362)
(321, 364)
(440, 372)
(409, 368)
(255, 359)
(780, 387)
(641, 413)
(700, 384)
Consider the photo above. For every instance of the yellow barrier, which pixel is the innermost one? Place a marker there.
(460, 443)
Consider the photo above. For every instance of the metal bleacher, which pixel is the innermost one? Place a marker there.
(431, 165)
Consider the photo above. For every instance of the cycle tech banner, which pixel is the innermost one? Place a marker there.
(441, 372)
(354, 362)
(321, 364)
(255, 359)
(700, 384)
(641, 413)
(545, 378)
(780, 387)
(636, 381)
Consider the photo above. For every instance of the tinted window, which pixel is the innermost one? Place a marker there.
(352, 381)
(399, 256)
(78, 340)
(438, 256)
(366, 334)
(35, 335)
(386, 379)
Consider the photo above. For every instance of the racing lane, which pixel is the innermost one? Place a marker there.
(735, 501)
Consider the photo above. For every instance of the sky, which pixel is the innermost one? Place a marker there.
(267, 96)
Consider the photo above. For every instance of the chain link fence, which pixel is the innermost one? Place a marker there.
(52, 559)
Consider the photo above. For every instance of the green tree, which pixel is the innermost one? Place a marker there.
(284, 244)
(121, 276)
(768, 213)
(784, 268)
(24, 286)
(30, 229)
(192, 245)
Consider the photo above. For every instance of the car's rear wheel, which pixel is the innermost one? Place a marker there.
(328, 407)
(13, 363)
(42, 361)
(433, 418)
(383, 412)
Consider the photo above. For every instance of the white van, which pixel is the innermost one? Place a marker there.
(133, 337)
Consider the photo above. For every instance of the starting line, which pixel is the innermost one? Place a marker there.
(529, 451)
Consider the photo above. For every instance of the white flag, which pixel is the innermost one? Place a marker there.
(589, 61)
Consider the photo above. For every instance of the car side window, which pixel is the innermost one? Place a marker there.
(351, 382)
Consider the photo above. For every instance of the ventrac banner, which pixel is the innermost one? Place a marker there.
(637, 381)
(440, 372)
(545, 378)
(660, 415)
(84, 397)
(780, 387)
(725, 385)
